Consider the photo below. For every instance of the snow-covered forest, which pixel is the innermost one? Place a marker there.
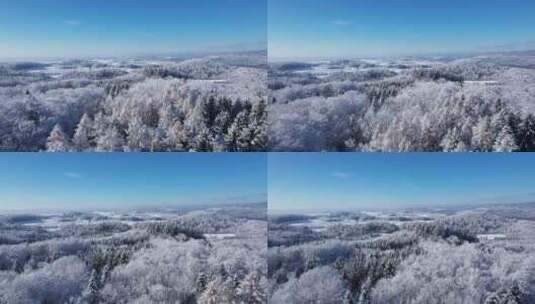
(213, 103)
(470, 103)
(198, 255)
(221, 103)
(482, 254)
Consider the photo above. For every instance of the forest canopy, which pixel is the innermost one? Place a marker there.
(215, 103)
(474, 103)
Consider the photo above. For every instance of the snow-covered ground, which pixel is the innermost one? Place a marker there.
(220, 236)
(321, 221)
(491, 237)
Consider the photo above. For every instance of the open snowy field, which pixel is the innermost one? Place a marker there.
(481, 254)
(210, 103)
(198, 255)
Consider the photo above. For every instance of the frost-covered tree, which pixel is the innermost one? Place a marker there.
(526, 134)
(138, 136)
(204, 140)
(57, 282)
(512, 295)
(252, 289)
(320, 285)
(233, 137)
(453, 141)
(214, 293)
(483, 136)
(505, 141)
(91, 293)
(110, 140)
(83, 138)
(258, 136)
(57, 140)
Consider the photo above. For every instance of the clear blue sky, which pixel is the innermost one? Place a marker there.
(55, 28)
(95, 181)
(338, 181)
(353, 28)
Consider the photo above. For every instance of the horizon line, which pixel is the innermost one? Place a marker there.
(137, 54)
(393, 56)
(135, 208)
(399, 208)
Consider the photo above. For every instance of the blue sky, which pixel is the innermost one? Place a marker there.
(351, 181)
(37, 181)
(353, 28)
(56, 28)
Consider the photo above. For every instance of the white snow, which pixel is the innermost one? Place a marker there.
(491, 237)
(219, 236)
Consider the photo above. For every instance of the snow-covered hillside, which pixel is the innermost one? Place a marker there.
(210, 255)
(473, 255)
(214, 103)
(471, 103)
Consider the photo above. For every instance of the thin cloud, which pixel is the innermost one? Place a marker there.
(340, 174)
(72, 22)
(341, 22)
(72, 175)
